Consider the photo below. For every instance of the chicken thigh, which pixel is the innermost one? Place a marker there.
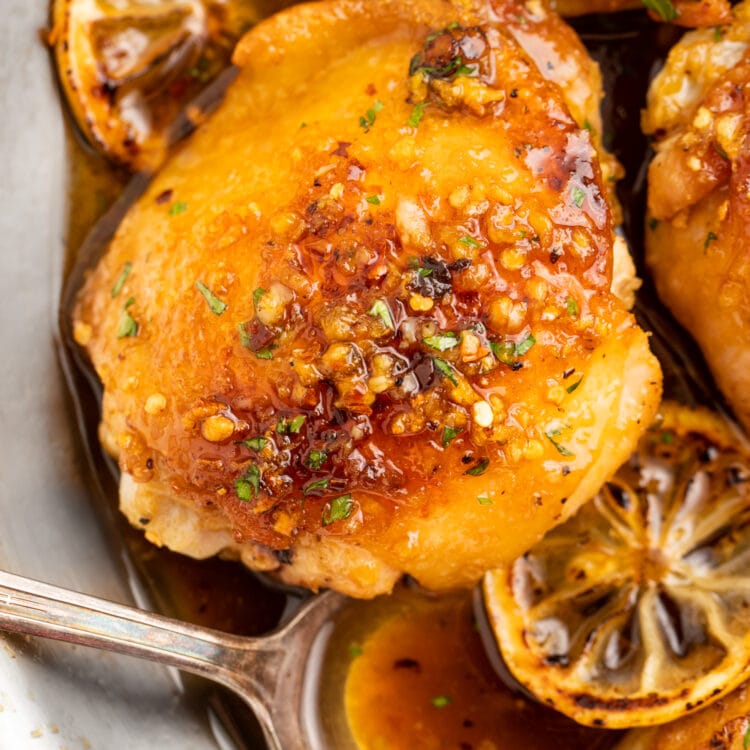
(362, 323)
(697, 235)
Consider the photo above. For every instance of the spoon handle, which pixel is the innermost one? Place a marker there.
(243, 664)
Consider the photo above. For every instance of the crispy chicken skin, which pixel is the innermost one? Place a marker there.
(697, 234)
(368, 326)
(721, 726)
(690, 13)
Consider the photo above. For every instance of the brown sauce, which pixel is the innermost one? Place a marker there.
(422, 681)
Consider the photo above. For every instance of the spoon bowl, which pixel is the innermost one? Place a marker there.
(265, 672)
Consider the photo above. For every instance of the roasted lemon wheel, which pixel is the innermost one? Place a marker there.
(128, 67)
(637, 610)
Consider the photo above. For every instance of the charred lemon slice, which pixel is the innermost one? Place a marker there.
(128, 67)
(637, 609)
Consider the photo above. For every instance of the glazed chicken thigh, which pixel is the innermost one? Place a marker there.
(698, 202)
(362, 324)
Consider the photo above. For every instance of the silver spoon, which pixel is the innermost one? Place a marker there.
(264, 672)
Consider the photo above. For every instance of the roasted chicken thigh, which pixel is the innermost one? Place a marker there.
(362, 324)
(699, 206)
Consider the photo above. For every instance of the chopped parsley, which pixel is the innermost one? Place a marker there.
(355, 650)
(257, 294)
(122, 278)
(417, 114)
(216, 305)
(127, 326)
(572, 307)
(442, 341)
(381, 311)
(453, 68)
(248, 485)
(720, 151)
(265, 353)
(746, 740)
(667, 438)
(484, 500)
(257, 443)
(374, 199)
(469, 241)
(578, 195)
(710, 237)
(479, 468)
(285, 426)
(312, 487)
(177, 208)
(445, 369)
(572, 387)
(339, 509)
(367, 120)
(296, 424)
(316, 459)
(552, 436)
(508, 352)
(449, 435)
(441, 701)
(663, 8)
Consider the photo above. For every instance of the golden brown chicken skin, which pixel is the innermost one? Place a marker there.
(361, 324)
(690, 13)
(697, 237)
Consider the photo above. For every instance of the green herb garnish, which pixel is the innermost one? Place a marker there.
(441, 701)
(339, 509)
(484, 500)
(296, 424)
(355, 650)
(417, 114)
(177, 208)
(257, 443)
(122, 278)
(469, 241)
(561, 449)
(572, 307)
(312, 487)
(257, 294)
(445, 369)
(479, 468)
(286, 426)
(720, 150)
(374, 199)
(367, 120)
(508, 352)
(381, 311)
(746, 740)
(127, 326)
(573, 386)
(710, 237)
(442, 341)
(578, 195)
(216, 305)
(449, 435)
(663, 8)
(266, 352)
(248, 485)
(316, 459)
